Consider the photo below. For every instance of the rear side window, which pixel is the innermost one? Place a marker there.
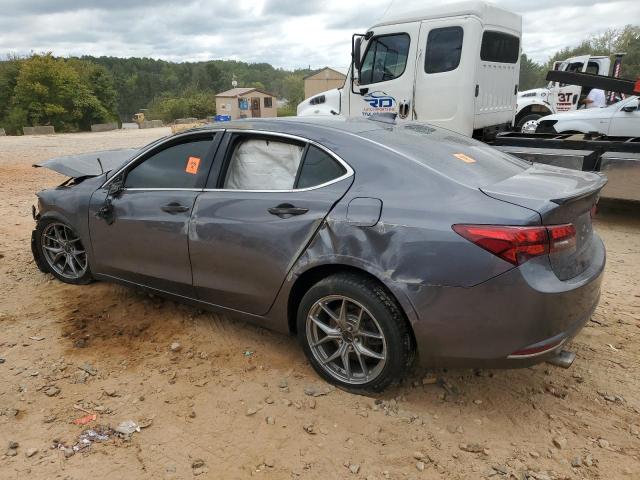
(385, 58)
(318, 168)
(499, 47)
(263, 164)
(444, 47)
(178, 166)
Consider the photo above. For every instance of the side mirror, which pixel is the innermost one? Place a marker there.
(357, 54)
(116, 187)
(630, 108)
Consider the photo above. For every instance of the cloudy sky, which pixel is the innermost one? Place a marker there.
(286, 33)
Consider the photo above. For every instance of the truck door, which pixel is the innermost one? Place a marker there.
(384, 85)
(445, 74)
(565, 97)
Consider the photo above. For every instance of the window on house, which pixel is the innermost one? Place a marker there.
(268, 102)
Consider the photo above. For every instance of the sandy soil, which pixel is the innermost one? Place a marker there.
(231, 401)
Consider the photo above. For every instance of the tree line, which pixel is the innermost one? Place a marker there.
(73, 93)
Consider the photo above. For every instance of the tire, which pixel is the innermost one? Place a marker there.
(58, 250)
(378, 348)
(527, 118)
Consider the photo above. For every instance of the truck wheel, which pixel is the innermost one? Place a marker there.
(354, 334)
(528, 123)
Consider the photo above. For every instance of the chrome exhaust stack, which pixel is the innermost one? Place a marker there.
(563, 359)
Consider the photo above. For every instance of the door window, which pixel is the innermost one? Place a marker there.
(499, 47)
(178, 166)
(385, 58)
(318, 168)
(444, 47)
(261, 164)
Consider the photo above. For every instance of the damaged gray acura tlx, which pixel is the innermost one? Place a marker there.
(373, 242)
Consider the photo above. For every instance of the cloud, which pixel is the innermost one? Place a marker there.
(285, 33)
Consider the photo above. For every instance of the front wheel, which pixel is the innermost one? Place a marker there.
(59, 250)
(354, 333)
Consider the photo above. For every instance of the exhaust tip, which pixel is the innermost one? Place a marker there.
(563, 359)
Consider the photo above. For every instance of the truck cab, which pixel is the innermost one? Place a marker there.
(557, 97)
(456, 66)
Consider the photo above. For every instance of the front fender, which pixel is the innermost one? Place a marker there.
(525, 103)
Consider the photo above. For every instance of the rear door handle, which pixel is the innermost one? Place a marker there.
(175, 208)
(285, 210)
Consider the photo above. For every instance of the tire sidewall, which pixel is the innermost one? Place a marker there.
(526, 118)
(387, 315)
(43, 262)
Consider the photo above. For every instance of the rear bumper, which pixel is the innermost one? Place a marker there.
(523, 309)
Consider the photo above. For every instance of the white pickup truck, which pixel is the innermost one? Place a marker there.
(455, 65)
(556, 97)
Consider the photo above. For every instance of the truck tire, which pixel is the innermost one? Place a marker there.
(528, 119)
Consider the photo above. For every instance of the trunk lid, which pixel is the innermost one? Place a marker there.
(560, 196)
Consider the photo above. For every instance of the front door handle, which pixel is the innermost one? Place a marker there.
(174, 207)
(285, 210)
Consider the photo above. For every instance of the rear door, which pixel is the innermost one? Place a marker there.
(258, 214)
(386, 76)
(444, 78)
(144, 237)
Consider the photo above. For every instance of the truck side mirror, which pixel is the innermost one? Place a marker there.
(357, 54)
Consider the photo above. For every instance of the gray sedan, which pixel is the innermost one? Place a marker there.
(372, 242)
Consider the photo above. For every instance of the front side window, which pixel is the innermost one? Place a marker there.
(499, 47)
(178, 166)
(261, 164)
(385, 58)
(444, 48)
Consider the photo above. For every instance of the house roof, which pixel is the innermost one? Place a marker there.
(337, 74)
(238, 92)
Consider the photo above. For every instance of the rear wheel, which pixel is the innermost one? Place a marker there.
(528, 123)
(354, 333)
(61, 252)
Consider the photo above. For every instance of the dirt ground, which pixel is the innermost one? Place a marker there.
(232, 400)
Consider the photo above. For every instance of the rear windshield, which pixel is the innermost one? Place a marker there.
(499, 47)
(462, 159)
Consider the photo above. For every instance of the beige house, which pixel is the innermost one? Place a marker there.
(245, 103)
(325, 79)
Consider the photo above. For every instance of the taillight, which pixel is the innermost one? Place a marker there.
(516, 245)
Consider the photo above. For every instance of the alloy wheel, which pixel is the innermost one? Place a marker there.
(346, 339)
(63, 251)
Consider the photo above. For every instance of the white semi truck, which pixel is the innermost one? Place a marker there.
(456, 66)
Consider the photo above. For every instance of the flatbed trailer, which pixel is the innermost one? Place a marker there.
(616, 157)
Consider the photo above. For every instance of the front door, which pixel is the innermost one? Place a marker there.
(143, 236)
(260, 213)
(384, 87)
(626, 124)
(255, 107)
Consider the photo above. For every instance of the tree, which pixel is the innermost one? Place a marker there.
(531, 73)
(51, 92)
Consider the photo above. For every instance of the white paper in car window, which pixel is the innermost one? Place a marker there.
(263, 165)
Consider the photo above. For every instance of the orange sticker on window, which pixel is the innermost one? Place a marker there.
(464, 158)
(193, 163)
